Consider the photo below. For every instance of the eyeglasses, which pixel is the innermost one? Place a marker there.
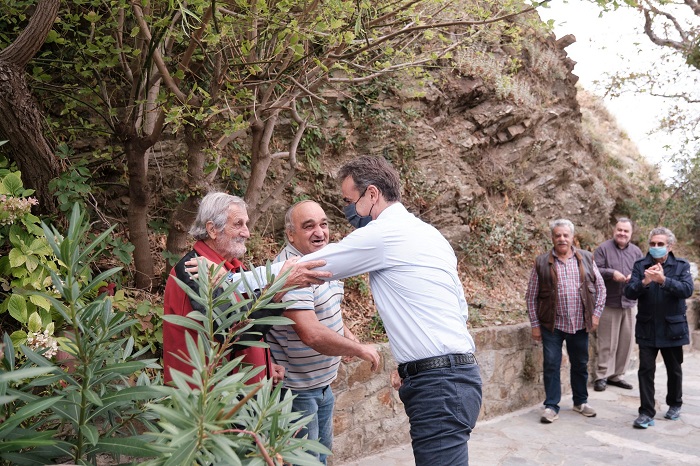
(656, 245)
(348, 201)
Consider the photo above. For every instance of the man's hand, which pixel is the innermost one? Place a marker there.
(395, 379)
(536, 334)
(277, 373)
(369, 353)
(655, 273)
(302, 274)
(619, 277)
(596, 321)
(193, 268)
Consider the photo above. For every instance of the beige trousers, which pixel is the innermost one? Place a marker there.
(615, 336)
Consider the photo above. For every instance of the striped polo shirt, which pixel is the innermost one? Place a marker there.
(305, 368)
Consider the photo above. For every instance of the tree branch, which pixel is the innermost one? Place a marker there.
(409, 30)
(30, 40)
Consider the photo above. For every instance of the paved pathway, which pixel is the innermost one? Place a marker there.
(520, 439)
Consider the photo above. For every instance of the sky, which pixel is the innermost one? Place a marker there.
(608, 44)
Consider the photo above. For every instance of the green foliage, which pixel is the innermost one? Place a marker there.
(73, 185)
(92, 402)
(26, 260)
(674, 205)
(213, 417)
(98, 398)
(147, 330)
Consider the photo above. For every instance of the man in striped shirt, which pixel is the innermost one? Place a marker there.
(565, 299)
(311, 348)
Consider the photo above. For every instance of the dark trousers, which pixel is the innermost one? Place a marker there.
(442, 406)
(577, 348)
(673, 358)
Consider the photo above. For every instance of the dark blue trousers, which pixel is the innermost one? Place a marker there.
(577, 348)
(442, 406)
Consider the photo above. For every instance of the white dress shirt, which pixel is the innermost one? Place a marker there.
(414, 282)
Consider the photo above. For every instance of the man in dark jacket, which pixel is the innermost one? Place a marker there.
(661, 283)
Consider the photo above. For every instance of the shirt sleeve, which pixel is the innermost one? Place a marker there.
(302, 299)
(599, 257)
(360, 252)
(256, 278)
(533, 289)
(601, 292)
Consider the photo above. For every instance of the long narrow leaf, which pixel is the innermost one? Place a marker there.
(25, 412)
(133, 446)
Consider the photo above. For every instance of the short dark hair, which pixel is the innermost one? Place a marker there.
(376, 171)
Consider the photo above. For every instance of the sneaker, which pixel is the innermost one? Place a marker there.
(549, 416)
(585, 409)
(673, 413)
(643, 421)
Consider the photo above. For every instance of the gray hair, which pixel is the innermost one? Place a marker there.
(288, 224)
(625, 220)
(562, 222)
(214, 208)
(664, 231)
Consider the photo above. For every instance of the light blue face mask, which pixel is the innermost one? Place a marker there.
(658, 252)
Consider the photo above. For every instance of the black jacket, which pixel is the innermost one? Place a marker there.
(661, 317)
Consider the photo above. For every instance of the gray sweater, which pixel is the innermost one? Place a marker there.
(608, 257)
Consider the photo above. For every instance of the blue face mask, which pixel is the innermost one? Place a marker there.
(658, 252)
(358, 221)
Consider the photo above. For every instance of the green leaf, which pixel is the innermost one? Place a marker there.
(17, 257)
(34, 324)
(17, 307)
(40, 301)
(26, 412)
(92, 397)
(12, 184)
(133, 446)
(24, 373)
(90, 433)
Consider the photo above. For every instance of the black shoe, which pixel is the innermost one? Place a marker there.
(599, 385)
(621, 384)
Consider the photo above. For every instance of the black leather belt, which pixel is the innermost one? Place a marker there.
(414, 367)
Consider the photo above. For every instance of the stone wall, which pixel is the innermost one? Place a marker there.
(369, 416)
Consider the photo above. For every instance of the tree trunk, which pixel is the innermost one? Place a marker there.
(259, 163)
(139, 195)
(196, 186)
(21, 122)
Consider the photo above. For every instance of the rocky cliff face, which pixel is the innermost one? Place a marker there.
(491, 145)
(488, 157)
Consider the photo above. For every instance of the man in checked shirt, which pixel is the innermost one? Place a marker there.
(565, 298)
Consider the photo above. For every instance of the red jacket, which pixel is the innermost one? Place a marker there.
(176, 302)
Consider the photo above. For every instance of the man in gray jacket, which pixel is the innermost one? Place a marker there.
(615, 259)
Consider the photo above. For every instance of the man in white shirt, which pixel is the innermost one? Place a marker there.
(420, 298)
